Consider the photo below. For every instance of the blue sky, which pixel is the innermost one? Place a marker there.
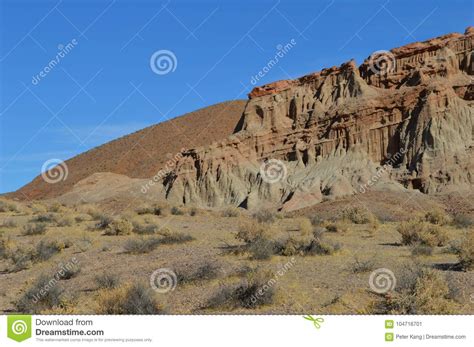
(104, 87)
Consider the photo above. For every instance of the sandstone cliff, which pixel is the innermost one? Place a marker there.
(404, 119)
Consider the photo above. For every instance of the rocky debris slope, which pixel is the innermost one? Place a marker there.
(404, 119)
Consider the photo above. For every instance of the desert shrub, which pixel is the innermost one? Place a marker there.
(44, 218)
(322, 247)
(206, 271)
(304, 226)
(141, 245)
(437, 217)
(231, 212)
(145, 229)
(56, 207)
(362, 265)
(81, 218)
(251, 292)
(66, 221)
(415, 231)
(107, 281)
(420, 291)
(103, 221)
(9, 223)
(34, 229)
(421, 249)
(316, 220)
(169, 237)
(7, 206)
(145, 210)
(358, 215)
(44, 294)
(193, 211)
(69, 272)
(264, 216)
(261, 248)
(176, 211)
(5, 247)
(21, 259)
(119, 227)
(250, 231)
(46, 249)
(336, 227)
(466, 251)
(462, 221)
(132, 299)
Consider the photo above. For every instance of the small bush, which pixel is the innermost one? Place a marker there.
(422, 232)
(44, 218)
(142, 245)
(358, 215)
(316, 220)
(437, 217)
(6, 206)
(5, 248)
(107, 281)
(168, 237)
(103, 221)
(46, 249)
(132, 299)
(119, 227)
(56, 207)
(231, 212)
(176, 211)
(145, 229)
(336, 227)
(362, 265)
(44, 294)
(81, 218)
(66, 221)
(320, 247)
(9, 223)
(34, 229)
(206, 271)
(193, 212)
(250, 231)
(264, 216)
(421, 249)
(21, 259)
(463, 221)
(466, 251)
(305, 227)
(69, 272)
(254, 291)
(421, 291)
(261, 248)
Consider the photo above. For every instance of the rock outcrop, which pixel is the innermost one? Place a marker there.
(404, 119)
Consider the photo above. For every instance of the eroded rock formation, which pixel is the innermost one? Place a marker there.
(404, 119)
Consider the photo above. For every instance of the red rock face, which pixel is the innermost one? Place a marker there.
(407, 112)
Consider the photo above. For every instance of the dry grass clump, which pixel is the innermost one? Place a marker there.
(421, 249)
(256, 238)
(336, 227)
(107, 281)
(66, 221)
(57, 207)
(255, 290)
(34, 229)
(231, 212)
(46, 249)
(118, 227)
(145, 229)
(359, 265)
(128, 299)
(44, 294)
(462, 221)
(169, 237)
(44, 218)
(156, 209)
(9, 223)
(420, 291)
(141, 245)
(264, 216)
(425, 233)
(7, 206)
(437, 217)
(465, 251)
(176, 211)
(206, 271)
(358, 215)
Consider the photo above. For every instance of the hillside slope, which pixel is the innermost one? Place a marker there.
(143, 153)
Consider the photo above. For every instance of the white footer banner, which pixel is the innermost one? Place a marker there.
(236, 330)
